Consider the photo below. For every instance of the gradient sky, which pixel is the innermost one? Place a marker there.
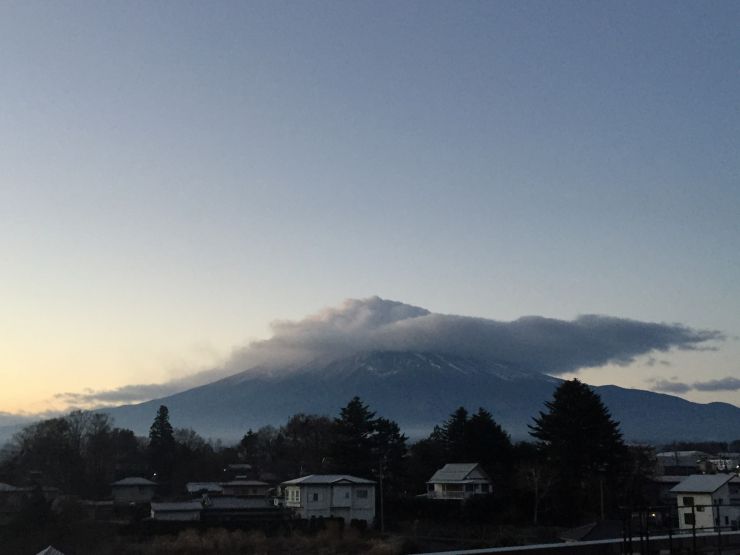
(176, 175)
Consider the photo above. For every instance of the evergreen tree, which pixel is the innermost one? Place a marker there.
(583, 446)
(486, 442)
(365, 446)
(478, 438)
(451, 435)
(352, 450)
(389, 448)
(162, 445)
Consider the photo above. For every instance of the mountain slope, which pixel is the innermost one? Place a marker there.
(418, 390)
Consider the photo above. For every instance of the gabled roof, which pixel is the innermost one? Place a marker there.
(456, 472)
(702, 483)
(50, 551)
(134, 481)
(327, 479)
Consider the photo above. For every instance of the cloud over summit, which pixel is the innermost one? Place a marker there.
(530, 343)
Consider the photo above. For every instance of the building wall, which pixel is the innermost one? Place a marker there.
(344, 501)
(457, 490)
(706, 516)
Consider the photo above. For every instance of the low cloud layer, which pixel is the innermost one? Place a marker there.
(125, 394)
(530, 343)
(674, 386)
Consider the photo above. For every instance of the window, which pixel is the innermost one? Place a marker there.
(484, 488)
(470, 487)
(315, 496)
(688, 501)
(346, 494)
(700, 508)
(688, 518)
(361, 494)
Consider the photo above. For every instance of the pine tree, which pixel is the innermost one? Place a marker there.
(352, 450)
(363, 444)
(162, 445)
(581, 443)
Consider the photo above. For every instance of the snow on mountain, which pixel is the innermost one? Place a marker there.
(418, 390)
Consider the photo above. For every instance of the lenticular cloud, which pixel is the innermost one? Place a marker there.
(530, 343)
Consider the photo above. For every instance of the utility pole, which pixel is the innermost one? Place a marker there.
(380, 476)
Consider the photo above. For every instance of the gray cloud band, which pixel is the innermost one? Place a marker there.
(531, 343)
(724, 384)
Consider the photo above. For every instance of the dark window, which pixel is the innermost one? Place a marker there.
(688, 518)
(688, 501)
(315, 496)
(700, 508)
(361, 494)
(484, 488)
(469, 487)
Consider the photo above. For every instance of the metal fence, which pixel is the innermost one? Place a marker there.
(693, 528)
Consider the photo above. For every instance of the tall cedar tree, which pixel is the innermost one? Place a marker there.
(162, 445)
(352, 450)
(478, 438)
(583, 446)
(363, 444)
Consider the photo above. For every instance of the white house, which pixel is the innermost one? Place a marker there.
(459, 481)
(703, 501)
(331, 495)
(133, 490)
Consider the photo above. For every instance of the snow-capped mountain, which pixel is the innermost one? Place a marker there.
(418, 390)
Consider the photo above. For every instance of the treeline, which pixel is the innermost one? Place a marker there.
(576, 464)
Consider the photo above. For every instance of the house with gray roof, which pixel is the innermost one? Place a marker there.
(133, 490)
(459, 481)
(704, 502)
(331, 495)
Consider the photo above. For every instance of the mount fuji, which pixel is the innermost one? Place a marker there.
(418, 390)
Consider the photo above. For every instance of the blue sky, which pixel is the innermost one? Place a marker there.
(177, 175)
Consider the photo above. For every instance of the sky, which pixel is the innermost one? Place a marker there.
(176, 176)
